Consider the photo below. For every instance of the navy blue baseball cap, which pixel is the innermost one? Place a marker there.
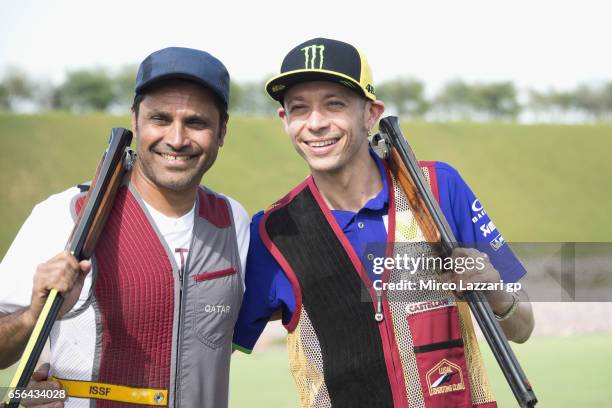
(185, 63)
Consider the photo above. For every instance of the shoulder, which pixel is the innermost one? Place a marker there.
(442, 169)
(241, 217)
(448, 178)
(56, 204)
(256, 220)
(286, 199)
(42, 236)
(219, 209)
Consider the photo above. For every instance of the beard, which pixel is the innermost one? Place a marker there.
(177, 180)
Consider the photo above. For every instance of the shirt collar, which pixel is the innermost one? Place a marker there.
(377, 203)
(380, 200)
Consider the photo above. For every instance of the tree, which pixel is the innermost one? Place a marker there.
(496, 100)
(123, 86)
(455, 99)
(249, 98)
(85, 90)
(236, 95)
(406, 95)
(607, 97)
(4, 98)
(17, 88)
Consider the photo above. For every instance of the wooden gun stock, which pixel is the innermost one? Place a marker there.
(81, 244)
(428, 214)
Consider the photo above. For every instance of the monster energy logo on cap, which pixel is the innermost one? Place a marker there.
(310, 61)
(322, 59)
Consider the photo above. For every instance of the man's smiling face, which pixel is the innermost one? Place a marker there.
(179, 132)
(327, 123)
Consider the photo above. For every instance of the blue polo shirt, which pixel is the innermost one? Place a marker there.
(268, 288)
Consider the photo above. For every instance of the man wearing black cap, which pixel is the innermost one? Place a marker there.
(148, 320)
(315, 256)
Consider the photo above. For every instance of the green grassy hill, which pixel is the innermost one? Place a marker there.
(539, 183)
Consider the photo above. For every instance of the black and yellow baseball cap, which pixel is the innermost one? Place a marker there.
(323, 59)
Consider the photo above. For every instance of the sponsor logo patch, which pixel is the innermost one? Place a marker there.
(477, 211)
(445, 377)
(420, 307)
(497, 242)
(487, 229)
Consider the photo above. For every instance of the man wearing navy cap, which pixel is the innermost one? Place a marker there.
(315, 256)
(149, 319)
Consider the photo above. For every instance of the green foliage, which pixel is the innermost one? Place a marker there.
(404, 95)
(250, 98)
(99, 89)
(497, 100)
(4, 98)
(455, 99)
(18, 84)
(15, 87)
(86, 90)
(123, 86)
(489, 101)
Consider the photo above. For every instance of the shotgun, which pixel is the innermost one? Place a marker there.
(116, 160)
(403, 164)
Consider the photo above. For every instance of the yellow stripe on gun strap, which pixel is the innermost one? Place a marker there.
(113, 392)
(33, 337)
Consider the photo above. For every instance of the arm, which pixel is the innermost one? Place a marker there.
(519, 326)
(62, 272)
(267, 292)
(15, 328)
(517, 322)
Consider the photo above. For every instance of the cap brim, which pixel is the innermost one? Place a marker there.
(277, 86)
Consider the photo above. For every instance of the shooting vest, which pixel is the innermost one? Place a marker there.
(162, 336)
(422, 354)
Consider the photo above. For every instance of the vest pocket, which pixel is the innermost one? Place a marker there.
(214, 275)
(440, 358)
(216, 306)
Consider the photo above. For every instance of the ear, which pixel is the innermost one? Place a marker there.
(134, 122)
(375, 110)
(222, 132)
(282, 114)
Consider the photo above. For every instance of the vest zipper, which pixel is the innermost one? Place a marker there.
(177, 373)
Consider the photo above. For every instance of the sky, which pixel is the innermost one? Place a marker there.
(537, 44)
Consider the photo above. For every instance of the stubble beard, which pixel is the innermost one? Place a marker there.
(173, 181)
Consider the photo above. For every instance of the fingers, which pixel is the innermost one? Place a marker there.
(48, 393)
(46, 388)
(471, 266)
(63, 273)
(59, 273)
(85, 266)
(41, 373)
(57, 404)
